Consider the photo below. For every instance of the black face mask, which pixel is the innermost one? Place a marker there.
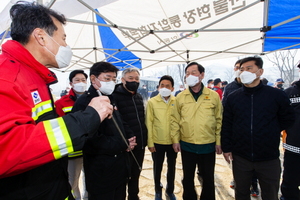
(279, 85)
(132, 86)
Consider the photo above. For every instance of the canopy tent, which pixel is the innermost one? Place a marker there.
(148, 33)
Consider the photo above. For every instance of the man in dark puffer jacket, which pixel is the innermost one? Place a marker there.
(291, 173)
(231, 87)
(105, 160)
(130, 105)
(253, 118)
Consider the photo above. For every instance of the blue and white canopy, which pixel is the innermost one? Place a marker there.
(152, 33)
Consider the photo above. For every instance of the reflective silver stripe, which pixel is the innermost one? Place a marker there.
(67, 109)
(41, 108)
(58, 134)
(291, 148)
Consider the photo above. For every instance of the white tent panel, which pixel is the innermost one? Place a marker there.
(186, 17)
(162, 32)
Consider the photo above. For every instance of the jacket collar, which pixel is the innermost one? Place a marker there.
(92, 91)
(15, 50)
(236, 81)
(253, 89)
(120, 89)
(72, 95)
(159, 98)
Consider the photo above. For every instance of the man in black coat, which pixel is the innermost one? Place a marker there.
(291, 174)
(231, 87)
(130, 105)
(253, 118)
(105, 157)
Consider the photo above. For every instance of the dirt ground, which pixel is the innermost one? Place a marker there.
(223, 177)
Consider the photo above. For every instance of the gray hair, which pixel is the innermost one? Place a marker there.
(129, 70)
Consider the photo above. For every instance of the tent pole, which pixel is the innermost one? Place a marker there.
(94, 37)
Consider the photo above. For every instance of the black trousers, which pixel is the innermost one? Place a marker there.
(158, 160)
(133, 183)
(118, 193)
(267, 172)
(291, 177)
(206, 162)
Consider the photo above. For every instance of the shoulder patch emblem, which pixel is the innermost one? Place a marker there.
(36, 97)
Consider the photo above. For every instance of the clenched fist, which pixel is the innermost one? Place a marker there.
(102, 106)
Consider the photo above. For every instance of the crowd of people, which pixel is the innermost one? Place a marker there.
(103, 130)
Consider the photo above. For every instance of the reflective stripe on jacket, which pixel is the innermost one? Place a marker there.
(64, 106)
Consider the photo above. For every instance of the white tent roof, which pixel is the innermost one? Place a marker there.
(163, 32)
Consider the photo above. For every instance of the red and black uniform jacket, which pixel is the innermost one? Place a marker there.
(65, 104)
(34, 143)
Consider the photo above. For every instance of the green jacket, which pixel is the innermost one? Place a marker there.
(197, 122)
(158, 114)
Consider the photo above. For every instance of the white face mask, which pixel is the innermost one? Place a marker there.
(63, 56)
(79, 87)
(107, 87)
(247, 77)
(237, 73)
(192, 80)
(164, 92)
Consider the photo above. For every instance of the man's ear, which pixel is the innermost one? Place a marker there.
(123, 80)
(39, 35)
(261, 71)
(202, 75)
(92, 78)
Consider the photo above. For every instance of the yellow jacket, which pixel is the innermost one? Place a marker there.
(197, 122)
(158, 114)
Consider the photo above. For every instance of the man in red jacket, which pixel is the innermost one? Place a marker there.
(217, 87)
(64, 106)
(78, 83)
(34, 143)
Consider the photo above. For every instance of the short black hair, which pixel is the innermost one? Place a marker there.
(224, 83)
(217, 81)
(200, 67)
(167, 77)
(102, 67)
(75, 72)
(258, 61)
(209, 81)
(28, 16)
(238, 62)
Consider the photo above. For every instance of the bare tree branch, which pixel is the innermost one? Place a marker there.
(285, 63)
